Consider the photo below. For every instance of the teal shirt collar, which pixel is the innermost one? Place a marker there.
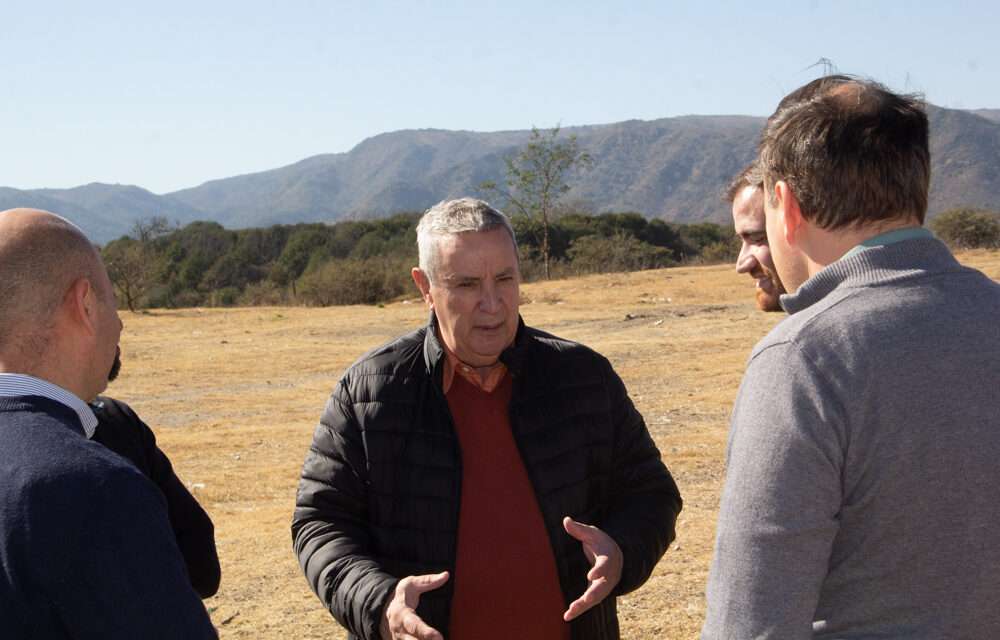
(889, 237)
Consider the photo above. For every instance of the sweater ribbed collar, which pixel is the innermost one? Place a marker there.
(19, 384)
(873, 266)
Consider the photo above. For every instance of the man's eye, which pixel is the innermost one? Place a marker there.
(466, 285)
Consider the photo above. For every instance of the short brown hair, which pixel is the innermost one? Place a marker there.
(750, 176)
(852, 152)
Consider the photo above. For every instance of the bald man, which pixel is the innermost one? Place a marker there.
(86, 549)
(747, 197)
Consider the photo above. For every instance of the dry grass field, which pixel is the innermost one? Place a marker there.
(234, 394)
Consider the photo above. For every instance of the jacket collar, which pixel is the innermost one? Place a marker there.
(513, 356)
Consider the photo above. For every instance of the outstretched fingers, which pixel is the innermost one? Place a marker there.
(606, 565)
(401, 621)
(600, 568)
(580, 531)
(422, 584)
(416, 629)
(597, 591)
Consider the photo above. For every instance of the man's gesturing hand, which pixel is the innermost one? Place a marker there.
(400, 621)
(605, 565)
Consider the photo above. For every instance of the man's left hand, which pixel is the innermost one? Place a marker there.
(605, 559)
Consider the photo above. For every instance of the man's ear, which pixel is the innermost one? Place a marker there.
(80, 304)
(424, 284)
(791, 220)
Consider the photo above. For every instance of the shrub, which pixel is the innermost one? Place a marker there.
(968, 229)
(723, 251)
(264, 293)
(224, 297)
(621, 252)
(353, 281)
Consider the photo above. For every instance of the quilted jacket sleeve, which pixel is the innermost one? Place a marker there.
(330, 526)
(645, 498)
(192, 526)
(122, 431)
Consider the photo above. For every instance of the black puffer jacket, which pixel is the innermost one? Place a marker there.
(380, 488)
(121, 430)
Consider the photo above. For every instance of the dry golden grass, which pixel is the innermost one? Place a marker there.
(234, 395)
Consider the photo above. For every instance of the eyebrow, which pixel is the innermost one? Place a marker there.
(456, 278)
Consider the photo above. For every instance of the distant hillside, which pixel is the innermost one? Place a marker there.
(97, 226)
(989, 114)
(672, 168)
(965, 160)
(103, 211)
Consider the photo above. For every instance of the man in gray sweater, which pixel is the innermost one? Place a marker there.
(862, 497)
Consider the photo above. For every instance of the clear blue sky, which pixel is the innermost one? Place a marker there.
(167, 95)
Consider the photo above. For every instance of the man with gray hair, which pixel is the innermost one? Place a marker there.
(86, 550)
(478, 478)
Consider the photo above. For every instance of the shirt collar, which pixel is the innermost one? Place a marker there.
(453, 365)
(19, 384)
(889, 237)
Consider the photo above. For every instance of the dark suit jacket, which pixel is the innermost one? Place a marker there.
(121, 430)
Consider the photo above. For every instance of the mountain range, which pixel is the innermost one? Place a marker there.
(671, 168)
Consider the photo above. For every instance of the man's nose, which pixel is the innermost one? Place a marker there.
(489, 300)
(746, 261)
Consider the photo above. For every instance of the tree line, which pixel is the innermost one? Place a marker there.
(368, 261)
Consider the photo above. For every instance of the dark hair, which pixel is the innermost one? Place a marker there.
(852, 152)
(750, 176)
(811, 89)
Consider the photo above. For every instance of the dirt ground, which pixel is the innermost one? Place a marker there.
(234, 395)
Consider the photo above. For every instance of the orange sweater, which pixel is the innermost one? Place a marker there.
(506, 582)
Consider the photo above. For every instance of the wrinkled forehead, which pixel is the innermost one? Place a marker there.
(474, 251)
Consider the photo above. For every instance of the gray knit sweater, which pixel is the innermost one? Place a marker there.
(862, 496)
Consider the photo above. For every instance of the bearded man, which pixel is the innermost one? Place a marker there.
(86, 549)
(746, 195)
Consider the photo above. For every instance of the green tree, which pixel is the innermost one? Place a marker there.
(132, 260)
(129, 269)
(536, 179)
(303, 242)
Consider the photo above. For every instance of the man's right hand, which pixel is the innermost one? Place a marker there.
(400, 621)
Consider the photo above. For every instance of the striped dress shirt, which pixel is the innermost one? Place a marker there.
(18, 384)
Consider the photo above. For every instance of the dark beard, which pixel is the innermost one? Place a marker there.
(770, 301)
(116, 366)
